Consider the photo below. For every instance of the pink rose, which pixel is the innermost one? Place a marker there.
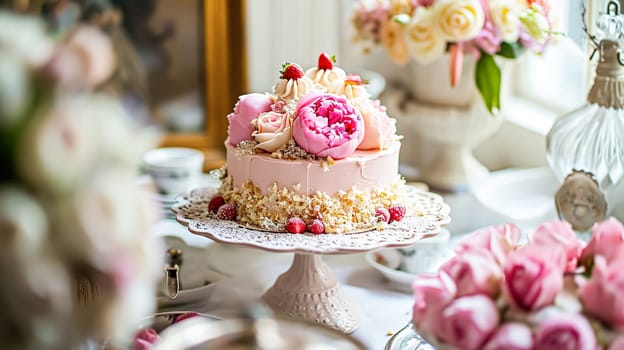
(607, 240)
(468, 322)
(474, 272)
(247, 109)
(561, 330)
(533, 276)
(379, 129)
(327, 125)
(602, 294)
(498, 240)
(274, 131)
(617, 343)
(432, 293)
(511, 336)
(559, 233)
(145, 339)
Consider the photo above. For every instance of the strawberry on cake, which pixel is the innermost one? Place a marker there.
(317, 155)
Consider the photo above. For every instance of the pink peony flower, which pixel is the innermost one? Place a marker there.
(489, 39)
(511, 336)
(498, 240)
(607, 240)
(474, 272)
(468, 322)
(602, 294)
(559, 233)
(327, 125)
(247, 109)
(561, 330)
(533, 276)
(432, 293)
(145, 339)
(380, 130)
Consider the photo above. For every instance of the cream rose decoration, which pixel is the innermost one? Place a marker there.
(393, 39)
(505, 16)
(423, 40)
(273, 131)
(459, 20)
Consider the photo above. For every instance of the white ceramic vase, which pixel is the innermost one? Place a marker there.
(454, 120)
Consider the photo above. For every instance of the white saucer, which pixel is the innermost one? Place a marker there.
(387, 262)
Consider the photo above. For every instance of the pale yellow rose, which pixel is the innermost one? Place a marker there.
(459, 20)
(423, 40)
(505, 17)
(393, 40)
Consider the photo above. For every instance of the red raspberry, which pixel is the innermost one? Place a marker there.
(397, 212)
(316, 227)
(382, 214)
(185, 316)
(215, 203)
(227, 212)
(295, 225)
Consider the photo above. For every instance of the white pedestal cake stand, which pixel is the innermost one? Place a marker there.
(309, 290)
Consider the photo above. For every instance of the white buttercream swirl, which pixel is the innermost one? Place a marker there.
(325, 77)
(289, 89)
(353, 92)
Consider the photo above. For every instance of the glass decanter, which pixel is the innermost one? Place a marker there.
(585, 148)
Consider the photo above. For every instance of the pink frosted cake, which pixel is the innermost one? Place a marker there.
(317, 155)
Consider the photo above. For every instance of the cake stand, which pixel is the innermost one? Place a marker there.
(309, 290)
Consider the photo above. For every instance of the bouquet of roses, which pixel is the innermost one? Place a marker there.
(76, 256)
(555, 292)
(426, 29)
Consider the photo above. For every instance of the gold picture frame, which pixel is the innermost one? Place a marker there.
(225, 78)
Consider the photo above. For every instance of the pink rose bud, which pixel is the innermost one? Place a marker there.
(533, 276)
(327, 125)
(432, 293)
(499, 240)
(511, 336)
(602, 294)
(560, 233)
(145, 339)
(474, 272)
(561, 330)
(468, 322)
(246, 109)
(607, 240)
(380, 129)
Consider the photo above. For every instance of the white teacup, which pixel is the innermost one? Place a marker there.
(426, 255)
(175, 170)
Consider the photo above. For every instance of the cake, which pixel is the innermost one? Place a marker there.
(317, 154)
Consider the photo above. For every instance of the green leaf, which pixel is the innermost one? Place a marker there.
(488, 81)
(510, 50)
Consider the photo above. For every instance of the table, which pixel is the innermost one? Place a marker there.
(246, 273)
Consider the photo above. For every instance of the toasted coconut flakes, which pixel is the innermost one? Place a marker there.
(346, 212)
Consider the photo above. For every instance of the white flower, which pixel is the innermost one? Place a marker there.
(505, 16)
(459, 20)
(425, 43)
(26, 37)
(535, 23)
(58, 149)
(112, 213)
(14, 88)
(23, 223)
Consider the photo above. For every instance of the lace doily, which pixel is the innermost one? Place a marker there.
(432, 214)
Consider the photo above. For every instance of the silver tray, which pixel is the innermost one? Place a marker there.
(407, 339)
